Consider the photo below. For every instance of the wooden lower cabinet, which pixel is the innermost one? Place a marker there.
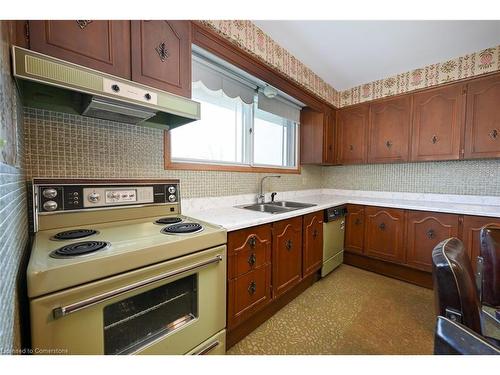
(355, 229)
(312, 243)
(470, 234)
(424, 231)
(384, 233)
(287, 254)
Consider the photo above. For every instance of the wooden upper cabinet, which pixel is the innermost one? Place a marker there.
(161, 55)
(424, 231)
(317, 137)
(312, 243)
(355, 229)
(389, 129)
(100, 45)
(287, 254)
(470, 234)
(352, 126)
(384, 233)
(437, 124)
(482, 128)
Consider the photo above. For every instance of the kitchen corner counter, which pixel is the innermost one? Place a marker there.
(221, 210)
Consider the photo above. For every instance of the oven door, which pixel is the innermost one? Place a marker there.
(168, 308)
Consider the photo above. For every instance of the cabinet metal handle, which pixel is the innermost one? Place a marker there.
(494, 134)
(431, 234)
(388, 144)
(382, 226)
(434, 139)
(315, 233)
(252, 259)
(82, 24)
(351, 147)
(357, 221)
(59, 312)
(252, 288)
(162, 51)
(289, 245)
(252, 242)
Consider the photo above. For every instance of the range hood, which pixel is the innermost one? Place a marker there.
(50, 83)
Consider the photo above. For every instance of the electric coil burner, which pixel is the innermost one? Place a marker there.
(168, 220)
(74, 234)
(78, 249)
(182, 228)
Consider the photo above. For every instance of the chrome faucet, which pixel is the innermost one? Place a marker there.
(261, 197)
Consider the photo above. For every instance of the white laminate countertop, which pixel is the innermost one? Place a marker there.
(221, 210)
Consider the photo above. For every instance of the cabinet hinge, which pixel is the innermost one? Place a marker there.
(462, 152)
(27, 31)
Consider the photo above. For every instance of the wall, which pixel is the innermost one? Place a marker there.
(471, 177)
(13, 213)
(61, 145)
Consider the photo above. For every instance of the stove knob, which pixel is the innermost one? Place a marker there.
(49, 193)
(94, 197)
(50, 206)
(172, 198)
(171, 189)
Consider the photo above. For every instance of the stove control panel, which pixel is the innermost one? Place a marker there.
(70, 197)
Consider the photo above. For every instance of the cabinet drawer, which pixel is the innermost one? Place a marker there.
(248, 293)
(248, 249)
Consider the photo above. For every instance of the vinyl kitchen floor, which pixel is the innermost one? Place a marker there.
(351, 311)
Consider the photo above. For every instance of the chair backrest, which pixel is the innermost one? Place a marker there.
(455, 291)
(490, 261)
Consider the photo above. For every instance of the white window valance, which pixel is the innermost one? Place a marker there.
(279, 106)
(215, 77)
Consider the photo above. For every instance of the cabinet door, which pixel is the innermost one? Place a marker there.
(384, 233)
(248, 249)
(437, 123)
(100, 45)
(470, 234)
(287, 254)
(248, 294)
(312, 243)
(424, 231)
(482, 128)
(355, 229)
(389, 129)
(352, 126)
(161, 55)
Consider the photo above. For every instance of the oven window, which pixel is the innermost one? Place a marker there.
(136, 321)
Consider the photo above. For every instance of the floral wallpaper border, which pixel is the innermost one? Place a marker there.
(473, 64)
(252, 39)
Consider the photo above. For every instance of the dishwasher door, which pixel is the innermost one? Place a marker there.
(333, 245)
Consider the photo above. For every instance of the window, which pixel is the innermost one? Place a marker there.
(239, 126)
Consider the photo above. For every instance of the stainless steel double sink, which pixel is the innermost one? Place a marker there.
(276, 207)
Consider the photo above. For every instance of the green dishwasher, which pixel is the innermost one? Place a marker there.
(333, 238)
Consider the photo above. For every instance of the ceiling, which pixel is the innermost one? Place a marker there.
(349, 53)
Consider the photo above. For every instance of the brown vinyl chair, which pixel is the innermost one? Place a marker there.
(488, 270)
(455, 292)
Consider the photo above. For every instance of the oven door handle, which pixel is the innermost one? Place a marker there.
(59, 312)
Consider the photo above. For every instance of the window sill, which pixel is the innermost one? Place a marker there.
(172, 165)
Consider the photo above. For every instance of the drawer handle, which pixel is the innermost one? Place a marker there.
(252, 242)
(252, 288)
(289, 245)
(388, 144)
(315, 233)
(434, 139)
(357, 221)
(252, 259)
(431, 234)
(382, 226)
(494, 134)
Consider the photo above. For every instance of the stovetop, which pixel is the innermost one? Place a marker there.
(126, 245)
